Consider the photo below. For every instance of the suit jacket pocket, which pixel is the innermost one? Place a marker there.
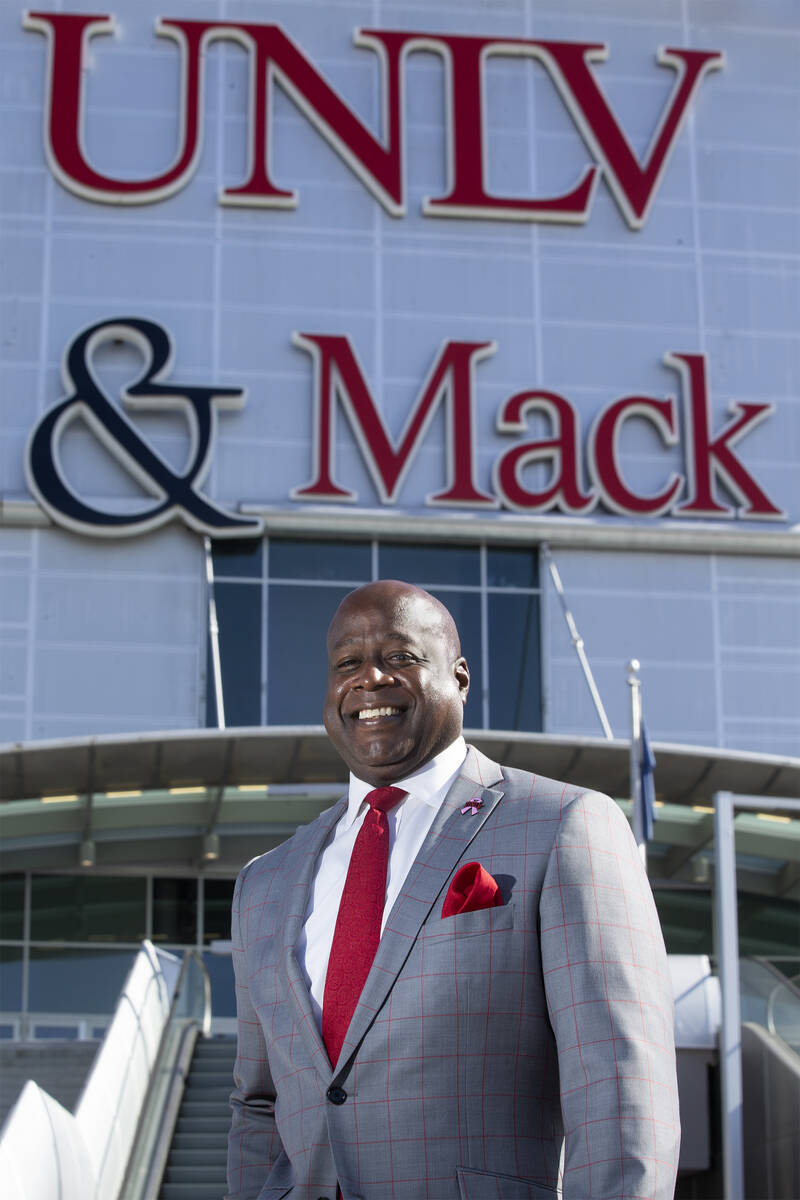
(483, 920)
(486, 1185)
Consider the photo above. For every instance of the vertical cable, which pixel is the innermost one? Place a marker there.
(577, 641)
(637, 798)
(485, 659)
(213, 633)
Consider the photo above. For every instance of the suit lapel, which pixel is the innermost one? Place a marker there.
(446, 843)
(300, 869)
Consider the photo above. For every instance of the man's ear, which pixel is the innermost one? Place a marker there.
(461, 672)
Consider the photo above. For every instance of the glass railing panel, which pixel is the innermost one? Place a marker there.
(770, 999)
(783, 1014)
(194, 995)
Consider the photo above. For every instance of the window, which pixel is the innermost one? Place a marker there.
(768, 925)
(175, 911)
(87, 908)
(83, 982)
(84, 931)
(217, 897)
(297, 621)
(10, 978)
(12, 900)
(275, 600)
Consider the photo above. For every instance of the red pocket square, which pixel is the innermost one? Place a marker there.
(472, 888)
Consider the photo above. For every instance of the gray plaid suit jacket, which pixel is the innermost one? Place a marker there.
(481, 1041)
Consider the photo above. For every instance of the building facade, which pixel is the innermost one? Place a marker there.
(448, 292)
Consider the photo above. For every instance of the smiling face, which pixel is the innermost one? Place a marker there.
(397, 682)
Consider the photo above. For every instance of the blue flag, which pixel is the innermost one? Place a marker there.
(647, 763)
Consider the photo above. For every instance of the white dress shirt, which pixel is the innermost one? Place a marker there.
(409, 823)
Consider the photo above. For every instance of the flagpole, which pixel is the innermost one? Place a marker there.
(635, 684)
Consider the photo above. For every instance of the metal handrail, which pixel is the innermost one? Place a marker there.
(166, 1085)
(785, 984)
(193, 956)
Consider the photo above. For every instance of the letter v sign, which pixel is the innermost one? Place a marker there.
(633, 184)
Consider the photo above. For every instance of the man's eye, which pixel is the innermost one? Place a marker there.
(401, 657)
(347, 664)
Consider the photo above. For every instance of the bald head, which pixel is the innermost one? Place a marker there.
(397, 682)
(402, 598)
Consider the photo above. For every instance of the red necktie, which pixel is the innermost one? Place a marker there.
(358, 924)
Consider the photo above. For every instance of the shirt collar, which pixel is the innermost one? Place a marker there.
(424, 785)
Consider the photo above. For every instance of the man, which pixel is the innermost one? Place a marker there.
(448, 1044)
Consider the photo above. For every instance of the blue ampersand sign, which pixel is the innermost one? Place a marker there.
(176, 495)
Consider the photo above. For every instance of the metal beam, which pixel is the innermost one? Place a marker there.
(726, 937)
(688, 535)
(678, 855)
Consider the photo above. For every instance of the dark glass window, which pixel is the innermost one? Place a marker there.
(297, 660)
(87, 908)
(769, 925)
(466, 611)
(240, 622)
(241, 558)
(217, 897)
(12, 906)
(322, 560)
(77, 981)
(430, 564)
(514, 662)
(508, 566)
(686, 921)
(10, 978)
(175, 911)
(291, 652)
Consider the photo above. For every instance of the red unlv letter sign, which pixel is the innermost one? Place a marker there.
(376, 158)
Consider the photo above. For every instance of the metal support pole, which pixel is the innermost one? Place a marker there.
(213, 633)
(577, 641)
(635, 684)
(727, 948)
(87, 852)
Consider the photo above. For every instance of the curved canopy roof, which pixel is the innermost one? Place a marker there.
(295, 755)
(152, 801)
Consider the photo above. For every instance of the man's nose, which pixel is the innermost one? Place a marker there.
(374, 675)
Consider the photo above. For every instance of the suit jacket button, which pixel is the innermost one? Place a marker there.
(336, 1095)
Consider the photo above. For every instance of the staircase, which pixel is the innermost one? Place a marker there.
(195, 1167)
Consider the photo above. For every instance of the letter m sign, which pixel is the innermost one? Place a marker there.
(339, 380)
